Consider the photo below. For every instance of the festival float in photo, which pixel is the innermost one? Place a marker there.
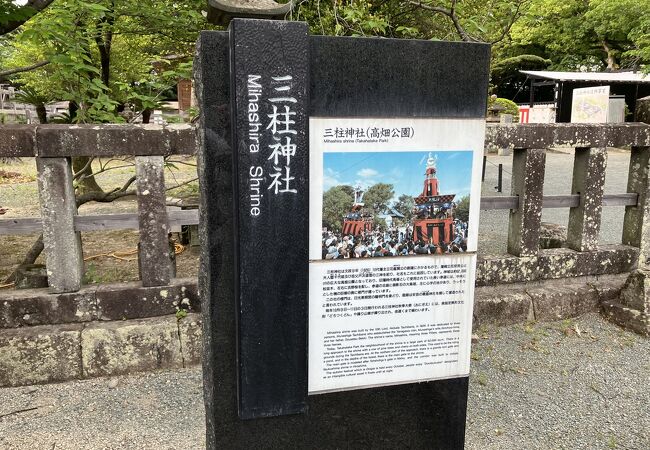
(391, 210)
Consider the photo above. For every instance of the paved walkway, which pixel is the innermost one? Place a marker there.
(581, 384)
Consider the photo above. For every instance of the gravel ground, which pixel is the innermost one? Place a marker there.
(580, 384)
(575, 384)
(493, 225)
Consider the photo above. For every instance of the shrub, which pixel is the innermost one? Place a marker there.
(510, 106)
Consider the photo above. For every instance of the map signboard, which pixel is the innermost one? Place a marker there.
(590, 105)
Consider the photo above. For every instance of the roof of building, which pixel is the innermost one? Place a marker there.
(390, 211)
(606, 77)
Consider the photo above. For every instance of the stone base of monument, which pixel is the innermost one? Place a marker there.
(253, 280)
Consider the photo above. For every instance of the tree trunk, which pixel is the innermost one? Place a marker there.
(611, 58)
(105, 61)
(41, 112)
(88, 182)
(30, 257)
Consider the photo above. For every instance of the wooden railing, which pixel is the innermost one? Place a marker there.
(53, 145)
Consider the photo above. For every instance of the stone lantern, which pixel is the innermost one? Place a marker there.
(494, 112)
(220, 12)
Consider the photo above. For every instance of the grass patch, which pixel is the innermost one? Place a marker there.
(10, 177)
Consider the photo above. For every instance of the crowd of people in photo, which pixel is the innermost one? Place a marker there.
(391, 241)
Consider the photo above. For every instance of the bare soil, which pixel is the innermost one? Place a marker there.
(19, 196)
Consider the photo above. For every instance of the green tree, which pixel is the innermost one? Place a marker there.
(32, 97)
(337, 201)
(578, 34)
(13, 15)
(468, 20)
(462, 209)
(377, 197)
(348, 190)
(100, 55)
(404, 205)
(505, 78)
(488, 21)
(509, 106)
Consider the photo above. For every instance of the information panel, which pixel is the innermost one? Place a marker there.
(393, 229)
(590, 105)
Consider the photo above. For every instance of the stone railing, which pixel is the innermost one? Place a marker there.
(583, 256)
(52, 145)
(626, 301)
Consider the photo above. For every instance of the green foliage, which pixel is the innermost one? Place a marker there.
(182, 308)
(62, 118)
(505, 78)
(404, 205)
(510, 106)
(193, 113)
(90, 276)
(515, 63)
(376, 198)
(483, 20)
(344, 18)
(31, 96)
(11, 12)
(337, 201)
(506, 70)
(105, 53)
(462, 209)
(641, 38)
(379, 222)
(585, 34)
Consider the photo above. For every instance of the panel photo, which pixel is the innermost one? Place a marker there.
(382, 204)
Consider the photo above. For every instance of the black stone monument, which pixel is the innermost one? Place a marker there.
(254, 228)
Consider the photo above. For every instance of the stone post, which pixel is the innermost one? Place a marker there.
(527, 184)
(62, 243)
(636, 224)
(589, 182)
(255, 330)
(632, 309)
(156, 266)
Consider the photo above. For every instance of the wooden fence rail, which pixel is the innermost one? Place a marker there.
(53, 145)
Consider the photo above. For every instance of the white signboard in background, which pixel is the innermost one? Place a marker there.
(537, 114)
(590, 105)
(391, 303)
(542, 114)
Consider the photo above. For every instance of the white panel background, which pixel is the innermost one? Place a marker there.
(435, 135)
